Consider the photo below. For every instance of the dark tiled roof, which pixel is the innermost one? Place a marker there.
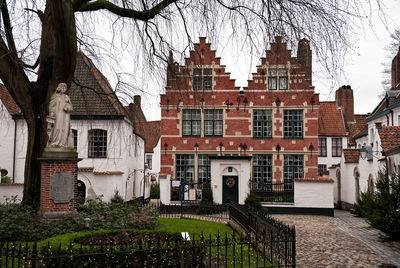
(390, 138)
(151, 132)
(392, 97)
(91, 94)
(357, 127)
(351, 155)
(8, 101)
(330, 120)
(135, 112)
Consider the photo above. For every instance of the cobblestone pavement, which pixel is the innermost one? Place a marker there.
(340, 241)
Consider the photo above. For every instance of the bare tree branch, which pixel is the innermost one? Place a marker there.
(144, 15)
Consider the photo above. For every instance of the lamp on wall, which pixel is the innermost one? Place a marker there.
(363, 152)
(165, 148)
(196, 147)
(220, 147)
(238, 101)
(202, 103)
(312, 101)
(278, 102)
(278, 148)
(177, 106)
(244, 146)
(228, 103)
(245, 101)
(311, 148)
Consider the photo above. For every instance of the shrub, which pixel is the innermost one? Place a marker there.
(117, 198)
(155, 191)
(207, 195)
(253, 201)
(19, 223)
(382, 208)
(4, 177)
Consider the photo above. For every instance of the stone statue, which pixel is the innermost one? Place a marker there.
(59, 126)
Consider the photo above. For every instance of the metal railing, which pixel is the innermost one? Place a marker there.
(276, 192)
(201, 251)
(281, 237)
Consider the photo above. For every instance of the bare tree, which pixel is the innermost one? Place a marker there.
(392, 49)
(39, 42)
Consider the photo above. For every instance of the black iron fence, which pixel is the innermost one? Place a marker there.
(276, 192)
(267, 243)
(201, 251)
(282, 238)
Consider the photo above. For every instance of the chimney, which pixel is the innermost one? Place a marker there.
(304, 55)
(396, 71)
(344, 99)
(137, 100)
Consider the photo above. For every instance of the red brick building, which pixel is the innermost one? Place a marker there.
(273, 123)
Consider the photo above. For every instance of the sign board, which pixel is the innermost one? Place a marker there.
(176, 183)
(61, 187)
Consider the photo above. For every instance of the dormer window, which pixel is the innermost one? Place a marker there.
(202, 79)
(277, 78)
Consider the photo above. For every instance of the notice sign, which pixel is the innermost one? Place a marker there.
(176, 183)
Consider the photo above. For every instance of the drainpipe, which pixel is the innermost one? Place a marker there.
(144, 169)
(391, 112)
(387, 120)
(15, 149)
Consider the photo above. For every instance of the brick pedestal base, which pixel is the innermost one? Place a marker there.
(52, 163)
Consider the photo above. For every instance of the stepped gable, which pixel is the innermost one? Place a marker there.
(300, 76)
(331, 122)
(8, 101)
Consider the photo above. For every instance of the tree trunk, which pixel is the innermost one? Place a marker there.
(58, 51)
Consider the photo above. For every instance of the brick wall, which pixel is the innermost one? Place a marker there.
(238, 108)
(48, 169)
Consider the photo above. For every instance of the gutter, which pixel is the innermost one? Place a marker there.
(14, 149)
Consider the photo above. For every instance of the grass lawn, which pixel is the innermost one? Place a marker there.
(175, 225)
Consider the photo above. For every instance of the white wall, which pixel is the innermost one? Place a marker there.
(10, 190)
(125, 153)
(313, 194)
(329, 160)
(156, 161)
(219, 168)
(165, 189)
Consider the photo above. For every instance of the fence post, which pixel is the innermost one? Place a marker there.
(293, 247)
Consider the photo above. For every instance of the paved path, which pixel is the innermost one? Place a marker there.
(340, 241)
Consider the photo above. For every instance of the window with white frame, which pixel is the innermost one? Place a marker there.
(191, 122)
(262, 123)
(262, 172)
(336, 147)
(184, 168)
(277, 78)
(322, 169)
(97, 143)
(213, 122)
(322, 147)
(293, 168)
(202, 79)
(149, 161)
(204, 170)
(293, 124)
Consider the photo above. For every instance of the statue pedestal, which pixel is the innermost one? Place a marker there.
(59, 172)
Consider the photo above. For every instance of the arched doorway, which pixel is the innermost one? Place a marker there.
(371, 183)
(356, 174)
(339, 187)
(81, 192)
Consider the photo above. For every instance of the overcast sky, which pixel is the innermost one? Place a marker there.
(363, 70)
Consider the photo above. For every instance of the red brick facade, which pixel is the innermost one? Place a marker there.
(238, 109)
(48, 169)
